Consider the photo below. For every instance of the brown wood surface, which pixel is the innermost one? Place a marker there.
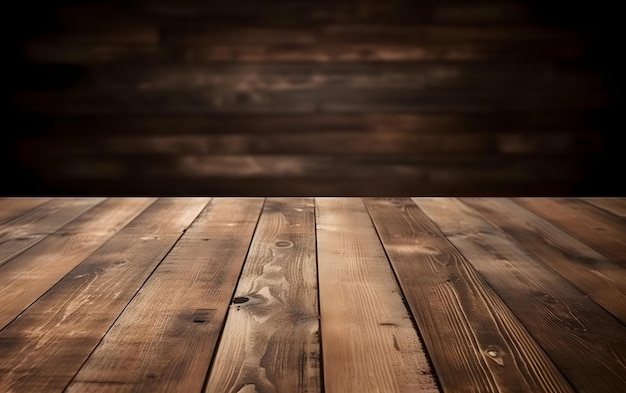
(601, 279)
(301, 294)
(368, 341)
(270, 342)
(616, 206)
(555, 313)
(112, 86)
(159, 343)
(23, 232)
(15, 207)
(29, 275)
(475, 341)
(600, 230)
(67, 322)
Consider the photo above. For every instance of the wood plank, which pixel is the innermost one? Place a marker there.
(341, 142)
(11, 208)
(368, 341)
(132, 34)
(201, 33)
(475, 341)
(616, 206)
(585, 342)
(164, 339)
(284, 12)
(397, 185)
(270, 342)
(157, 124)
(60, 52)
(598, 229)
(309, 100)
(23, 232)
(601, 279)
(29, 275)
(67, 322)
(436, 169)
(258, 77)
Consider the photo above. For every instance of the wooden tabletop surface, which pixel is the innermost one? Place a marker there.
(327, 295)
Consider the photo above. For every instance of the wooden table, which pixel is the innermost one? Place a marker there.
(309, 295)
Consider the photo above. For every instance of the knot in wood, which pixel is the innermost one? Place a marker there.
(283, 244)
(240, 299)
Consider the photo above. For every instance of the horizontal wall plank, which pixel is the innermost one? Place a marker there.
(505, 143)
(373, 33)
(446, 76)
(304, 186)
(309, 100)
(93, 125)
(60, 50)
(433, 168)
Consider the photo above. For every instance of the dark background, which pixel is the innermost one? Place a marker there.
(286, 97)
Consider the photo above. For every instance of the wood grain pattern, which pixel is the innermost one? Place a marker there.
(287, 71)
(615, 206)
(594, 227)
(556, 314)
(163, 340)
(368, 341)
(67, 322)
(11, 208)
(221, 295)
(475, 342)
(23, 232)
(601, 279)
(270, 342)
(29, 275)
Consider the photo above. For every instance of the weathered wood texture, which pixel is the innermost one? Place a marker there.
(557, 315)
(335, 295)
(600, 230)
(465, 324)
(160, 342)
(184, 98)
(28, 276)
(27, 230)
(68, 321)
(271, 339)
(369, 343)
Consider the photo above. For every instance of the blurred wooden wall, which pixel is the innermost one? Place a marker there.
(305, 97)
